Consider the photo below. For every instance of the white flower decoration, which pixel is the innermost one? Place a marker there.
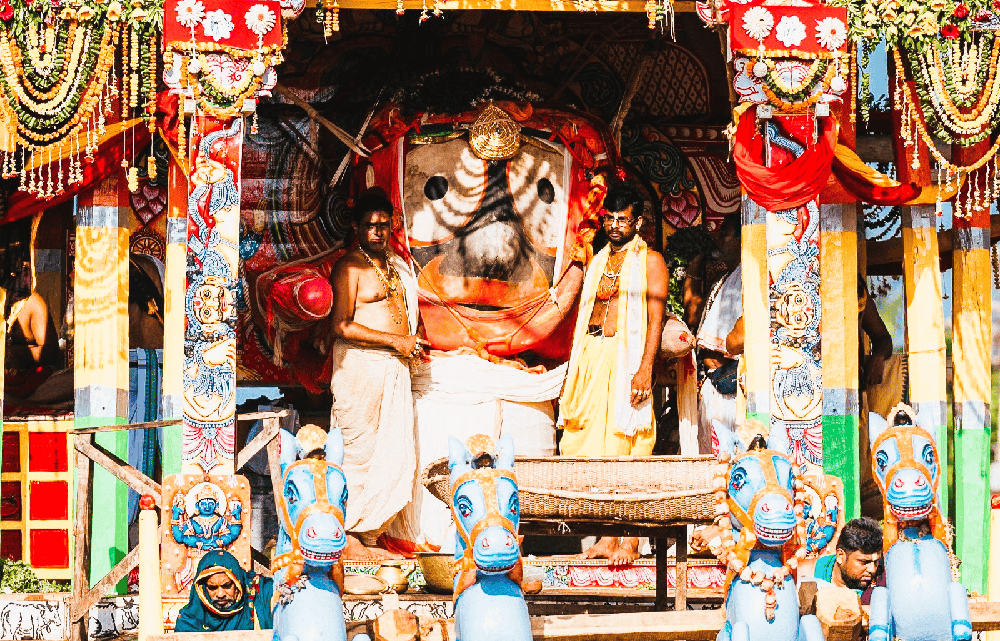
(218, 25)
(190, 12)
(758, 22)
(791, 32)
(260, 19)
(831, 33)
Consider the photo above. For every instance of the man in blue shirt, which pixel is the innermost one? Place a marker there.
(858, 562)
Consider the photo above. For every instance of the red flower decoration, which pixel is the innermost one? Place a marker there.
(949, 31)
(961, 11)
(996, 5)
(6, 11)
(983, 15)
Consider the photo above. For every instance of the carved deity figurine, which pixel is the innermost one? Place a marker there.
(489, 603)
(204, 528)
(759, 504)
(308, 575)
(921, 601)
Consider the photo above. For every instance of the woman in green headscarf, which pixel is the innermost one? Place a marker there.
(226, 597)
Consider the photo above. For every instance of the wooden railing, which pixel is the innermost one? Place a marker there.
(88, 453)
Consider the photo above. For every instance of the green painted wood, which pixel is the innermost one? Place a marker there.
(972, 506)
(841, 458)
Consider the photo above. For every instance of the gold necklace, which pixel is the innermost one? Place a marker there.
(608, 286)
(390, 281)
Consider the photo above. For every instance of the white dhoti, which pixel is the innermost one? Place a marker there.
(373, 406)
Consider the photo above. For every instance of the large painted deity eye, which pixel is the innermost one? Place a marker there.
(436, 187)
(464, 506)
(882, 460)
(928, 454)
(738, 479)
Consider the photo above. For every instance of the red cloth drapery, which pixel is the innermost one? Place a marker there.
(862, 188)
(791, 185)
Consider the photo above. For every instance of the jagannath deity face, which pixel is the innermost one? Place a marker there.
(206, 506)
(795, 310)
(213, 302)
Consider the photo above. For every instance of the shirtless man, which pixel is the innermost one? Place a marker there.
(33, 345)
(605, 406)
(375, 324)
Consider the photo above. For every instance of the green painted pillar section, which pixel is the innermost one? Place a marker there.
(101, 358)
(839, 336)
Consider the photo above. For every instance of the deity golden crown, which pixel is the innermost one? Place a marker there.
(495, 135)
(207, 493)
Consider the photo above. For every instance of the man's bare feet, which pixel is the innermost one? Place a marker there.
(617, 554)
(357, 551)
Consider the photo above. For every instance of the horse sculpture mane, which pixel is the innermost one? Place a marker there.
(759, 495)
(921, 601)
(308, 574)
(489, 603)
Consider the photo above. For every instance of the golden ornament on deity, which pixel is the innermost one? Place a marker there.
(495, 135)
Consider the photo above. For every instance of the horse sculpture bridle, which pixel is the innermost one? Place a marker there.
(294, 560)
(465, 567)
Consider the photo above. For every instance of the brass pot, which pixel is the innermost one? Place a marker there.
(395, 577)
(437, 571)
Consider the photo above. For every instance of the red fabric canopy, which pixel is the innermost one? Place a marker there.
(791, 185)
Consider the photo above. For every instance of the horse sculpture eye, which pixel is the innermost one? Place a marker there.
(882, 459)
(291, 494)
(343, 497)
(464, 507)
(928, 455)
(738, 479)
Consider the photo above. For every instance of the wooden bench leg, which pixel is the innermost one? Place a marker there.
(662, 587)
(680, 590)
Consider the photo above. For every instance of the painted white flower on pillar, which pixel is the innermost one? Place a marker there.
(758, 22)
(218, 25)
(831, 33)
(791, 32)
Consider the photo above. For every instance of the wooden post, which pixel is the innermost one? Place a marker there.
(971, 334)
(213, 237)
(925, 346)
(687, 404)
(81, 537)
(101, 358)
(680, 568)
(756, 315)
(150, 603)
(173, 315)
(838, 257)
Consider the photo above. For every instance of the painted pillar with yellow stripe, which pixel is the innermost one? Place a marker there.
(3, 354)
(101, 355)
(839, 336)
(971, 346)
(925, 344)
(756, 312)
(173, 315)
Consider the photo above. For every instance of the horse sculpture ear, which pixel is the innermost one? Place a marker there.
(505, 453)
(729, 441)
(876, 425)
(335, 446)
(287, 448)
(459, 458)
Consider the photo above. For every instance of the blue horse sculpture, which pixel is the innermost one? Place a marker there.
(759, 505)
(920, 601)
(308, 575)
(489, 604)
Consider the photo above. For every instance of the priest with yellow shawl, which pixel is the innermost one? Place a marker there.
(605, 407)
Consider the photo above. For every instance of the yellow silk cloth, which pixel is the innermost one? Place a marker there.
(588, 411)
